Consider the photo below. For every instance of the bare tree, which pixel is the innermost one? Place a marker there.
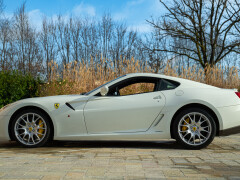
(75, 27)
(93, 41)
(5, 40)
(62, 37)
(47, 42)
(106, 33)
(86, 40)
(26, 38)
(211, 25)
(119, 44)
(131, 40)
(1, 6)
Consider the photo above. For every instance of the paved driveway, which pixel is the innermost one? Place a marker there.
(121, 160)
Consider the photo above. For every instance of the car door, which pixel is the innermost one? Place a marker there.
(123, 113)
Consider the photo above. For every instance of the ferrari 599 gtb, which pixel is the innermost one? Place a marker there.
(140, 106)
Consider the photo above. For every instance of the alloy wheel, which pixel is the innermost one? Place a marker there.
(194, 128)
(30, 129)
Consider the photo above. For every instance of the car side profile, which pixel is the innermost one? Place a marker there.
(138, 106)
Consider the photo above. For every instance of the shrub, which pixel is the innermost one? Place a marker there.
(15, 86)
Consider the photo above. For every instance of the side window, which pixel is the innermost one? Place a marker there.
(168, 84)
(135, 85)
(137, 88)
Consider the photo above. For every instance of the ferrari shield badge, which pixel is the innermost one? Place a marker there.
(56, 105)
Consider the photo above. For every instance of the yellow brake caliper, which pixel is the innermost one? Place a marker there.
(40, 130)
(184, 128)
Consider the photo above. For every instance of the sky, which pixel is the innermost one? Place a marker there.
(133, 12)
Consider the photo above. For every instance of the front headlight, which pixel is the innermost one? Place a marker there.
(4, 107)
(8, 105)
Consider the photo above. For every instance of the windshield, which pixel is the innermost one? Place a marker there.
(103, 85)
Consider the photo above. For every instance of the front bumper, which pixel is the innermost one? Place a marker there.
(4, 120)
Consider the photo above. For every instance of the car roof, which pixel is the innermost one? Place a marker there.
(151, 75)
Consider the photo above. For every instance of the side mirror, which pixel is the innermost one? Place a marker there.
(104, 91)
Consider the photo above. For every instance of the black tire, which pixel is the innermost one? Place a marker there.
(182, 135)
(47, 129)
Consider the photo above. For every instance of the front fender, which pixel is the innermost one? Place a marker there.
(14, 107)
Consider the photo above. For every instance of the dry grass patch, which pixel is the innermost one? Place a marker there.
(78, 77)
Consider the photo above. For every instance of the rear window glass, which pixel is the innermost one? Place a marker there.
(168, 84)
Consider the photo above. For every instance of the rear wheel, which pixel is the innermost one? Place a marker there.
(31, 128)
(194, 128)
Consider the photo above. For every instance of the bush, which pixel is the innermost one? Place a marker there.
(15, 86)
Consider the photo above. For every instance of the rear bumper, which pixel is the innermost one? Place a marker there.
(230, 117)
(229, 131)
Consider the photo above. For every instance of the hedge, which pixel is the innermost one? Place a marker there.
(15, 86)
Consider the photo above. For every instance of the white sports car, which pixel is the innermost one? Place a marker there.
(140, 106)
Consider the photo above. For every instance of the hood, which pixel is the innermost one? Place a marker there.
(59, 98)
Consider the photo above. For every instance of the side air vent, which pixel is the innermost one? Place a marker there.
(160, 118)
(69, 105)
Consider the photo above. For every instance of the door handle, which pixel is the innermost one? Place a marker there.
(157, 97)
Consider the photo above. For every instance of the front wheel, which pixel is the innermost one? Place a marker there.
(31, 128)
(194, 128)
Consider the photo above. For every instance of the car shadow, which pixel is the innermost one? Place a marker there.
(117, 144)
(100, 144)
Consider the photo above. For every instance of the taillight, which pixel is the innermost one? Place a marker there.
(238, 94)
